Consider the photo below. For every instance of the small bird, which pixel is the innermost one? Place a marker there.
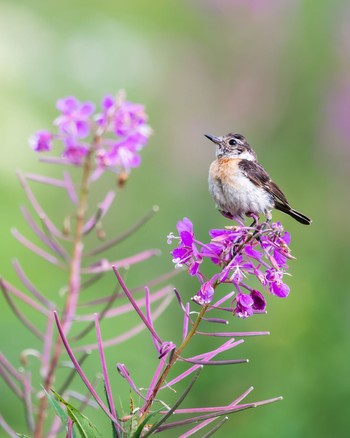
(240, 186)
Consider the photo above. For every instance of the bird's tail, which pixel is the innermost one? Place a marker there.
(295, 214)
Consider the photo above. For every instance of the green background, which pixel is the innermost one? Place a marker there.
(276, 71)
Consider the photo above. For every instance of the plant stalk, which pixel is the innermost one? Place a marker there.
(73, 289)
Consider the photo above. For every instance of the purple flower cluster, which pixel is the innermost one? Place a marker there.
(116, 134)
(239, 252)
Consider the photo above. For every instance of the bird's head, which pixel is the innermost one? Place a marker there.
(232, 146)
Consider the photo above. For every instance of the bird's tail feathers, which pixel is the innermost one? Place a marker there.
(295, 214)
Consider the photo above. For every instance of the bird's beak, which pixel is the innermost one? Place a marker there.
(216, 140)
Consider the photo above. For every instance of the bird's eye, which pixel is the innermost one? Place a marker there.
(232, 142)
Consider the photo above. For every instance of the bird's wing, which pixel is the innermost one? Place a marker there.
(258, 176)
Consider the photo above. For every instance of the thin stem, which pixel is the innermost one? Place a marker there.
(74, 286)
(172, 361)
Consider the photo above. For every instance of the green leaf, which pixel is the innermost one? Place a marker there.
(84, 425)
(61, 413)
(145, 421)
(22, 436)
(134, 418)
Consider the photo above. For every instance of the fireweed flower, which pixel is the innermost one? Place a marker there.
(116, 135)
(275, 283)
(127, 122)
(75, 118)
(75, 152)
(247, 303)
(240, 254)
(276, 245)
(41, 141)
(205, 294)
(244, 307)
(186, 253)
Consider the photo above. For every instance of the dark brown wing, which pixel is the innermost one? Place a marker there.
(258, 176)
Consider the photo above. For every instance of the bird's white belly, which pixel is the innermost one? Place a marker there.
(240, 196)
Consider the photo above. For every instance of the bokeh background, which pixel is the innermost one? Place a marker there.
(276, 71)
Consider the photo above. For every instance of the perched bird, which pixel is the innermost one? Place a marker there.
(240, 186)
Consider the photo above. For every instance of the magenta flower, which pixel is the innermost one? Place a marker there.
(121, 155)
(222, 244)
(246, 304)
(253, 253)
(282, 251)
(244, 307)
(75, 152)
(259, 300)
(127, 122)
(41, 141)
(116, 135)
(187, 252)
(275, 283)
(75, 119)
(239, 254)
(205, 294)
(130, 119)
(125, 119)
(276, 244)
(109, 106)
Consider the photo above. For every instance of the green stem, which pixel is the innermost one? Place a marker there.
(172, 361)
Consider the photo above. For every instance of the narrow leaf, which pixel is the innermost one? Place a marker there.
(61, 413)
(84, 425)
(176, 404)
(143, 424)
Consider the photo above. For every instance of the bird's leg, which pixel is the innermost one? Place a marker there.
(255, 218)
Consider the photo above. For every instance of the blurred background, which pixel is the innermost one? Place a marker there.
(276, 71)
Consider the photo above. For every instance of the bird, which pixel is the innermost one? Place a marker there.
(240, 186)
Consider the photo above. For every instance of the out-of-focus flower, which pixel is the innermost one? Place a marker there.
(127, 121)
(41, 141)
(122, 155)
(75, 152)
(75, 119)
(117, 134)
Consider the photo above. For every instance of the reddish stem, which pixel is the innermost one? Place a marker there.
(73, 291)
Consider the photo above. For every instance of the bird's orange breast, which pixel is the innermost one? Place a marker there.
(225, 170)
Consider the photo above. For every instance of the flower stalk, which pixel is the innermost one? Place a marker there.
(176, 355)
(73, 293)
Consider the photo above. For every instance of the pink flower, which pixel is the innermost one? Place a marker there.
(205, 294)
(75, 118)
(41, 141)
(75, 152)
